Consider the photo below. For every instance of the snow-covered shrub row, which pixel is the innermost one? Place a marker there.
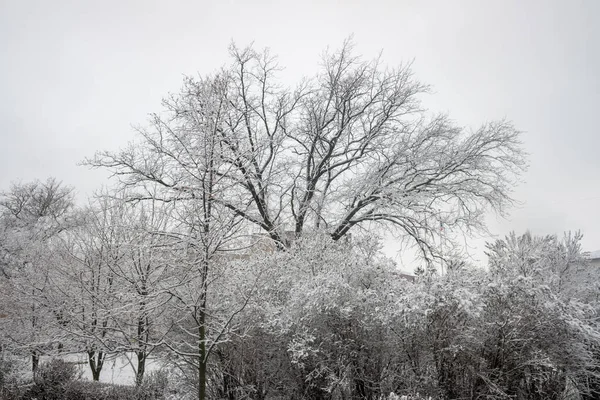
(334, 320)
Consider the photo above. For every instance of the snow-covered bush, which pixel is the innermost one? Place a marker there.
(333, 320)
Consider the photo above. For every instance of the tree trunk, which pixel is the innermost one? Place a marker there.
(35, 361)
(142, 337)
(96, 367)
(141, 367)
(201, 320)
(201, 360)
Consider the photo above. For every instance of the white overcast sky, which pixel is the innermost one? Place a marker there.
(75, 75)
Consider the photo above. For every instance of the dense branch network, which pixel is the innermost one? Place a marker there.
(349, 147)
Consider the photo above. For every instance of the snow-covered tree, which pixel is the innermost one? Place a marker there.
(314, 326)
(348, 147)
(119, 267)
(32, 215)
(178, 162)
(557, 262)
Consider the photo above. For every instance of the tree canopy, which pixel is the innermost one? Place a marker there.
(348, 147)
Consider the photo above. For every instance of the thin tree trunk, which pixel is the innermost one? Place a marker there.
(35, 361)
(201, 359)
(142, 337)
(141, 367)
(35, 357)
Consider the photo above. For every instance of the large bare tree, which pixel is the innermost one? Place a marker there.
(349, 147)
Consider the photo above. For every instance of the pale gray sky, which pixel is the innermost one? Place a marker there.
(74, 76)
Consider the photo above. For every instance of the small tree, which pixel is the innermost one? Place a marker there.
(91, 254)
(119, 260)
(178, 162)
(32, 215)
(559, 263)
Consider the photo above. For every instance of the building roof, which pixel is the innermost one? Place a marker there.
(595, 255)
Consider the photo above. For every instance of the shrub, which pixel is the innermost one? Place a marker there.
(51, 380)
(88, 390)
(9, 388)
(6, 371)
(56, 372)
(154, 385)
